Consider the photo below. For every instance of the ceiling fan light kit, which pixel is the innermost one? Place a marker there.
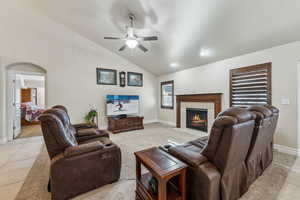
(131, 39)
(131, 43)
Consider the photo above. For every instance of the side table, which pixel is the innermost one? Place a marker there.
(163, 167)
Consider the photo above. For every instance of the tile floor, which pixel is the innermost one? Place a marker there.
(16, 159)
(291, 188)
(30, 131)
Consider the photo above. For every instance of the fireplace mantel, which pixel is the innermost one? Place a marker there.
(215, 98)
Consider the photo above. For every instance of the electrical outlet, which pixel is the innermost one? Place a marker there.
(285, 101)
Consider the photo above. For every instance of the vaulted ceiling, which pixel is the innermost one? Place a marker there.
(223, 28)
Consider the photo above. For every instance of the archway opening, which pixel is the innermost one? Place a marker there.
(26, 99)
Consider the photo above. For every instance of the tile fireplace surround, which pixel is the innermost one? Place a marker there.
(202, 105)
(211, 102)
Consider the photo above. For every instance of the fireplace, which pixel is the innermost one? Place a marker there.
(196, 119)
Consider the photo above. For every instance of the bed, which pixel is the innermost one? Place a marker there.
(30, 113)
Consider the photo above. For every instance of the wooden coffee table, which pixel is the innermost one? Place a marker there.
(163, 167)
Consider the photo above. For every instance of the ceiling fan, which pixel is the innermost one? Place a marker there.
(131, 39)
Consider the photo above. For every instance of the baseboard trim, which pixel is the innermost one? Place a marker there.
(167, 122)
(150, 121)
(103, 127)
(3, 141)
(287, 150)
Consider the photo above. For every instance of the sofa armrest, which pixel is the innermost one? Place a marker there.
(84, 125)
(86, 132)
(83, 148)
(190, 157)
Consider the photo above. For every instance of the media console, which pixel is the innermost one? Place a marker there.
(117, 125)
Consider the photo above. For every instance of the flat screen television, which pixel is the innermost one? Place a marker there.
(122, 105)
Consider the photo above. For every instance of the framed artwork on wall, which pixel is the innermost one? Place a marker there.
(106, 76)
(134, 79)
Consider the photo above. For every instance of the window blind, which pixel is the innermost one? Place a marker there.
(251, 85)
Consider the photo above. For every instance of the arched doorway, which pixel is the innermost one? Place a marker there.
(25, 98)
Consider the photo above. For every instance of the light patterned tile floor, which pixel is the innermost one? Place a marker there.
(16, 159)
(291, 188)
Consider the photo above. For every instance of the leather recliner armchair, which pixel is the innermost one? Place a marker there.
(217, 169)
(77, 166)
(260, 153)
(83, 131)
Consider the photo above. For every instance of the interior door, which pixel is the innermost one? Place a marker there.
(13, 106)
(17, 119)
(11, 78)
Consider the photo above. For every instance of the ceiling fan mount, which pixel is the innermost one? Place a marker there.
(131, 17)
(131, 39)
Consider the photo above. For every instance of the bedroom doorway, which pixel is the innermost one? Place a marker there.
(30, 103)
(25, 99)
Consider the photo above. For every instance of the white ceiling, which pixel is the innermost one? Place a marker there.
(225, 27)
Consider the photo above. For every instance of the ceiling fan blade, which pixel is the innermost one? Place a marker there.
(150, 38)
(112, 38)
(123, 47)
(144, 49)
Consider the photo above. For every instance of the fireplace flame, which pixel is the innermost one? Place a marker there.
(197, 119)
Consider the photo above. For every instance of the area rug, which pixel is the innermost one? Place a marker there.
(267, 187)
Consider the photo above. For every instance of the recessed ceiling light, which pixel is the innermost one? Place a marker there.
(174, 64)
(205, 52)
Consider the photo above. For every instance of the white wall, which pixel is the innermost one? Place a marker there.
(215, 78)
(70, 61)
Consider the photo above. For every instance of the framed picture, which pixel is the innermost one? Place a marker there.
(134, 79)
(106, 76)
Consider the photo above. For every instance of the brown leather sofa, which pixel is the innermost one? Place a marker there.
(83, 131)
(217, 169)
(77, 166)
(213, 175)
(260, 154)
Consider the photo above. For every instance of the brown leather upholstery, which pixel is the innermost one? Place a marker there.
(268, 153)
(83, 131)
(60, 139)
(216, 171)
(61, 107)
(77, 126)
(260, 153)
(77, 167)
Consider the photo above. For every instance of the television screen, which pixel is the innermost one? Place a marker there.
(122, 104)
